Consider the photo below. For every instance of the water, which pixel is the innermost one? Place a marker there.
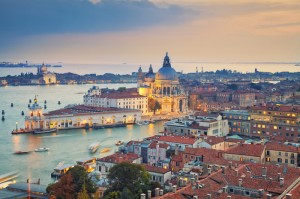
(66, 145)
(100, 69)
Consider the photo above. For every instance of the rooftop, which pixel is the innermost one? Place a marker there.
(119, 158)
(255, 150)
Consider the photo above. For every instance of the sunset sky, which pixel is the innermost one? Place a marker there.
(117, 31)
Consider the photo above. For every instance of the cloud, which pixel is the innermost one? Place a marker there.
(33, 17)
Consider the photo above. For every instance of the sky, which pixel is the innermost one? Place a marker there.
(133, 31)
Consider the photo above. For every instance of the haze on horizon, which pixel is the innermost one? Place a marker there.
(132, 31)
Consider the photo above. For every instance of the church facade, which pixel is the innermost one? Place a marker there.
(163, 87)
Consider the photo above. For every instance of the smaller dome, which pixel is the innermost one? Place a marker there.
(166, 73)
(44, 68)
(149, 77)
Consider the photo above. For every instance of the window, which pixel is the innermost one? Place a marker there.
(275, 127)
(286, 161)
(286, 154)
(268, 159)
(231, 190)
(292, 161)
(268, 152)
(247, 193)
(279, 160)
(279, 153)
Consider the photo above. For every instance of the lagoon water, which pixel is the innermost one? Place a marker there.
(65, 145)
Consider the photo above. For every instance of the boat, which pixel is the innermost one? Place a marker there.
(104, 126)
(105, 150)
(42, 131)
(61, 169)
(139, 123)
(94, 147)
(119, 143)
(21, 131)
(22, 152)
(145, 123)
(41, 149)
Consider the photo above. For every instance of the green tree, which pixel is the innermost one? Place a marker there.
(130, 179)
(121, 89)
(153, 105)
(113, 195)
(83, 194)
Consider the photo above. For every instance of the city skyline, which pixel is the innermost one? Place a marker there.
(117, 31)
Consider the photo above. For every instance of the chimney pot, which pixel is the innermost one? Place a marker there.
(143, 196)
(224, 189)
(195, 197)
(149, 194)
(161, 192)
(288, 196)
(228, 197)
(240, 182)
(269, 196)
(281, 181)
(223, 169)
(208, 196)
(208, 171)
(230, 165)
(156, 192)
(174, 188)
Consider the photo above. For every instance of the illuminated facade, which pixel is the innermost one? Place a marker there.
(163, 87)
(46, 76)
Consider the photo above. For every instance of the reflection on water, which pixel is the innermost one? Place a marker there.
(65, 145)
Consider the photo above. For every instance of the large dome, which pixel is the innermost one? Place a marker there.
(166, 72)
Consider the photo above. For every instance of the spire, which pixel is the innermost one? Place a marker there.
(35, 99)
(167, 61)
(150, 69)
(140, 69)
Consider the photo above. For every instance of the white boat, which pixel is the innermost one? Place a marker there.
(94, 147)
(41, 149)
(139, 123)
(42, 131)
(145, 122)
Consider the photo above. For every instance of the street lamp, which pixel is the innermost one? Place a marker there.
(16, 126)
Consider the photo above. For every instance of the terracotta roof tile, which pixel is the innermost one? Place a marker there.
(255, 150)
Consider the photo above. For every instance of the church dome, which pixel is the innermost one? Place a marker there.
(44, 68)
(150, 76)
(166, 72)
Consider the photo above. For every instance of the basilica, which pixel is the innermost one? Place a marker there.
(163, 87)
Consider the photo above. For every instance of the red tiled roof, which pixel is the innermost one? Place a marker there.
(255, 150)
(155, 169)
(178, 139)
(119, 158)
(161, 145)
(281, 147)
(210, 155)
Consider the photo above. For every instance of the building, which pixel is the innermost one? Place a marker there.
(104, 164)
(246, 153)
(278, 153)
(280, 122)
(46, 76)
(124, 100)
(198, 126)
(157, 154)
(158, 174)
(238, 121)
(164, 88)
(77, 116)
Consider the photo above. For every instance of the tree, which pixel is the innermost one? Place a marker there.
(121, 89)
(255, 86)
(76, 182)
(153, 105)
(128, 179)
(232, 87)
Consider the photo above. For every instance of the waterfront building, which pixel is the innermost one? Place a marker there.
(78, 116)
(164, 88)
(46, 76)
(280, 122)
(198, 126)
(238, 121)
(124, 100)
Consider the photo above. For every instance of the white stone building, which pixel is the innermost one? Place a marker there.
(125, 100)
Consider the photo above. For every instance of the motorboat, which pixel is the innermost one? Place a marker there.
(61, 169)
(139, 123)
(22, 152)
(105, 150)
(41, 149)
(145, 123)
(42, 131)
(119, 143)
(21, 131)
(94, 147)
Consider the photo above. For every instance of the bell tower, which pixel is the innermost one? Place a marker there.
(140, 78)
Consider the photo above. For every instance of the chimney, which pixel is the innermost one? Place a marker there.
(278, 176)
(208, 196)
(288, 196)
(230, 165)
(143, 196)
(156, 192)
(192, 181)
(261, 192)
(269, 196)
(281, 181)
(176, 149)
(236, 172)
(264, 171)
(174, 188)
(197, 184)
(149, 194)
(208, 171)
(228, 197)
(264, 177)
(184, 183)
(240, 182)
(161, 192)
(224, 189)
(223, 169)
(195, 197)
(180, 182)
